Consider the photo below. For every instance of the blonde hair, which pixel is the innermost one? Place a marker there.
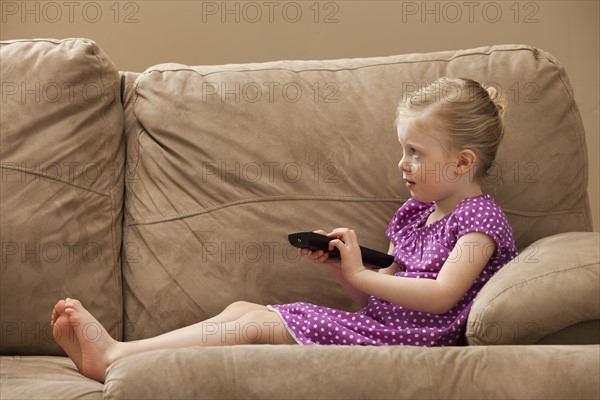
(471, 116)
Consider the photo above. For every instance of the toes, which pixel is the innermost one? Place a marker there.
(58, 309)
(72, 303)
(59, 306)
(73, 309)
(70, 310)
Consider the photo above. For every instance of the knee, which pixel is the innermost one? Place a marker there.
(264, 327)
(238, 304)
(242, 306)
(252, 326)
(255, 315)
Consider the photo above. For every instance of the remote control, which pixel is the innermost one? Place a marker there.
(315, 241)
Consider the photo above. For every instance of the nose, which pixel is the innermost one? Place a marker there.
(405, 166)
(401, 163)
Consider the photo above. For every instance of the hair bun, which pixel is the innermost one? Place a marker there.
(499, 102)
(492, 92)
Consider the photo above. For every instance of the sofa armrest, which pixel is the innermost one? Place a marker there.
(357, 372)
(552, 285)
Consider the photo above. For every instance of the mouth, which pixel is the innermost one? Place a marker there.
(408, 182)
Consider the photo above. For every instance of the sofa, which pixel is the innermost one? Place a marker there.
(157, 198)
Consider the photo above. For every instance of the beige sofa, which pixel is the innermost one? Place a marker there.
(158, 198)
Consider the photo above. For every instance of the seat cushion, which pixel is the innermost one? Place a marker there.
(358, 372)
(62, 188)
(44, 378)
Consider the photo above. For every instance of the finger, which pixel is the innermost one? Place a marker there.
(338, 232)
(323, 257)
(350, 238)
(338, 244)
(304, 252)
(317, 255)
(347, 236)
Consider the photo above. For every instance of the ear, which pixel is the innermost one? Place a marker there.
(467, 161)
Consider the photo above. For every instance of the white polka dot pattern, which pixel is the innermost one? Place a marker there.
(421, 251)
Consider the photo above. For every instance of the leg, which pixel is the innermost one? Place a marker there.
(240, 323)
(231, 313)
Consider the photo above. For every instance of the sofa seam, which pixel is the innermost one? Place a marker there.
(252, 200)
(231, 374)
(536, 214)
(186, 214)
(456, 56)
(54, 178)
(139, 145)
(142, 129)
(53, 41)
(433, 384)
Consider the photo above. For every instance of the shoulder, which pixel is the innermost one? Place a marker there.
(482, 214)
(479, 210)
(408, 214)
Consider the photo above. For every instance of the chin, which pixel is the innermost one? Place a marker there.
(421, 197)
(418, 197)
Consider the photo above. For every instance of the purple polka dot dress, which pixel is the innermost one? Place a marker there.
(420, 251)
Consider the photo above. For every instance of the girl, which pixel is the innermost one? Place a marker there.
(447, 240)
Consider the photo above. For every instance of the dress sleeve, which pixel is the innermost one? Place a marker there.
(485, 216)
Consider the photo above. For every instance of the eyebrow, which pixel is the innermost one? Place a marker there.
(412, 144)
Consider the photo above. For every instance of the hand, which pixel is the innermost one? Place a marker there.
(349, 248)
(320, 257)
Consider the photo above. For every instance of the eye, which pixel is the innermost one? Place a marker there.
(412, 152)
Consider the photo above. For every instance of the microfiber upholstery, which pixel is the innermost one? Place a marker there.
(227, 160)
(357, 372)
(45, 377)
(62, 156)
(550, 287)
(212, 167)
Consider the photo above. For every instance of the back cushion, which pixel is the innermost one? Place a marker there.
(227, 160)
(62, 188)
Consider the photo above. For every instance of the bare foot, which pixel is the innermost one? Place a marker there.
(64, 334)
(83, 338)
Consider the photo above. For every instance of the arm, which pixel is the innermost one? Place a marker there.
(437, 296)
(359, 297)
(392, 269)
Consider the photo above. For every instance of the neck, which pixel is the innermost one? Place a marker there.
(445, 206)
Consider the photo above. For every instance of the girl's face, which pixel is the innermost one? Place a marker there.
(428, 170)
